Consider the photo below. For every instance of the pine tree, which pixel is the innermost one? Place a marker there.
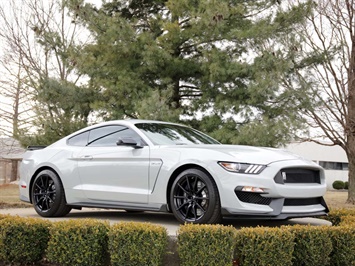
(219, 65)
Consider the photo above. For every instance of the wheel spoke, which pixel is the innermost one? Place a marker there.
(201, 189)
(180, 197)
(195, 184)
(183, 189)
(201, 198)
(45, 204)
(188, 183)
(40, 203)
(187, 211)
(194, 212)
(37, 185)
(182, 205)
(200, 207)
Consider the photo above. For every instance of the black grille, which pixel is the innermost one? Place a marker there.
(303, 202)
(250, 197)
(296, 175)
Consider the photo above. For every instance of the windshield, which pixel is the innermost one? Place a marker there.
(170, 134)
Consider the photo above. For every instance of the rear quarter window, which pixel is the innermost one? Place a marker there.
(79, 140)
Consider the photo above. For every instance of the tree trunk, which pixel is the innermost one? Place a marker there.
(351, 156)
(350, 124)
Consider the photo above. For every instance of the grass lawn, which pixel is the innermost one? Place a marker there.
(9, 198)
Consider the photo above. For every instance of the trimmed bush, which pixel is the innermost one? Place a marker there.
(23, 240)
(137, 244)
(312, 245)
(78, 242)
(206, 244)
(347, 220)
(338, 184)
(346, 185)
(4, 216)
(265, 246)
(335, 216)
(343, 240)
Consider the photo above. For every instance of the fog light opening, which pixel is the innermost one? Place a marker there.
(253, 189)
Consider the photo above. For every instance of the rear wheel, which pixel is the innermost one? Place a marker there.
(48, 195)
(194, 198)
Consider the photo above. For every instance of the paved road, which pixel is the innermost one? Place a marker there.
(164, 219)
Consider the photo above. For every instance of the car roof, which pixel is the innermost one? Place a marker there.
(126, 122)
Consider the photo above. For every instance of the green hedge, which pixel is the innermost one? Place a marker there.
(206, 244)
(343, 241)
(335, 216)
(312, 245)
(78, 242)
(3, 216)
(338, 184)
(347, 220)
(137, 244)
(265, 246)
(23, 240)
(93, 242)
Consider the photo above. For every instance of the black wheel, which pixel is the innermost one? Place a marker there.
(194, 198)
(48, 195)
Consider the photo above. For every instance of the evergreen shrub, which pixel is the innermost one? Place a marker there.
(137, 244)
(335, 216)
(78, 243)
(23, 240)
(347, 220)
(343, 241)
(346, 185)
(264, 246)
(312, 245)
(338, 184)
(206, 244)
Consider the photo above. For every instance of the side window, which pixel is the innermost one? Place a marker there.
(109, 135)
(79, 140)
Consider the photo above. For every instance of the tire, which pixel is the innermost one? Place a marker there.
(194, 198)
(48, 196)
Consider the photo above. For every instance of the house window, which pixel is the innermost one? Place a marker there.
(334, 165)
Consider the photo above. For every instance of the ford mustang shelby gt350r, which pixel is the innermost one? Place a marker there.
(139, 165)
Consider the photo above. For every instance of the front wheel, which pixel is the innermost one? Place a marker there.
(48, 195)
(194, 198)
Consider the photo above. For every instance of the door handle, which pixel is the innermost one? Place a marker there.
(86, 157)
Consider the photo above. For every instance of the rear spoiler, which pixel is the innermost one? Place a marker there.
(32, 148)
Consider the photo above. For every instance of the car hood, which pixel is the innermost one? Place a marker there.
(247, 154)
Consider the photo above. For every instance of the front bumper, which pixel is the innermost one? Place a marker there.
(280, 200)
(280, 211)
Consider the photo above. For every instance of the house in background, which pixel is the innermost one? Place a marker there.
(332, 158)
(10, 156)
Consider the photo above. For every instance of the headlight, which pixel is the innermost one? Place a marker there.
(243, 168)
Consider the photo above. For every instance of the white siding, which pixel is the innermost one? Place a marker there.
(317, 153)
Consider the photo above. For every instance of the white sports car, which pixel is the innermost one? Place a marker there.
(139, 165)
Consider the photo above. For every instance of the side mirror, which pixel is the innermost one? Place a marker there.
(128, 142)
